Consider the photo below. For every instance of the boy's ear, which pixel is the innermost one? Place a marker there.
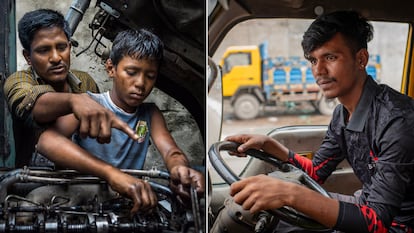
(109, 66)
(26, 56)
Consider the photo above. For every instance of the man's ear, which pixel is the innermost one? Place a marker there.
(110, 68)
(26, 56)
(362, 58)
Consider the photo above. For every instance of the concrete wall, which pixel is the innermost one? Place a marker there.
(182, 126)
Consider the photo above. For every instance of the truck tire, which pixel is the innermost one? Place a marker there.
(327, 106)
(246, 107)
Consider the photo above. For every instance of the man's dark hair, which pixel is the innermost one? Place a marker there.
(355, 28)
(138, 44)
(35, 20)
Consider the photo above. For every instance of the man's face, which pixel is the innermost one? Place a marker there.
(50, 55)
(133, 82)
(335, 68)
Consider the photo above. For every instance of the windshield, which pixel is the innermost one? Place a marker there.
(278, 42)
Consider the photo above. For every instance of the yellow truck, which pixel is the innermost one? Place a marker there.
(252, 81)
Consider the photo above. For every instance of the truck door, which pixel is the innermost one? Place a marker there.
(240, 69)
(7, 66)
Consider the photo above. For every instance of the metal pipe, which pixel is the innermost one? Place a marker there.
(75, 13)
(8, 179)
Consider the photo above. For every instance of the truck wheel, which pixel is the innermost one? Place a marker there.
(327, 106)
(246, 107)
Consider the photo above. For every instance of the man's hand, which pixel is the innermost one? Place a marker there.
(182, 178)
(258, 142)
(138, 190)
(248, 141)
(261, 193)
(96, 121)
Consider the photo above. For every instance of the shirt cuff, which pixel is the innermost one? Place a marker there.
(291, 157)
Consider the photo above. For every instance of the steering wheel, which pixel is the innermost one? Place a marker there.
(285, 213)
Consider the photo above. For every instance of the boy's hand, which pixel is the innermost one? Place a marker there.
(182, 177)
(138, 190)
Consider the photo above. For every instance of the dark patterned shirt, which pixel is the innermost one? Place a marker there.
(378, 142)
(21, 91)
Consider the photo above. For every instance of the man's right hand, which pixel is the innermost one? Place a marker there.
(138, 190)
(96, 121)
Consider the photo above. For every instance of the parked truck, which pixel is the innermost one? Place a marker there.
(253, 81)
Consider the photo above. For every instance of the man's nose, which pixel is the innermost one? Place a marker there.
(55, 56)
(318, 68)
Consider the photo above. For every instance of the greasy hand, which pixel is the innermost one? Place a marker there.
(260, 193)
(182, 177)
(138, 190)
(96, 121)
(247, 141)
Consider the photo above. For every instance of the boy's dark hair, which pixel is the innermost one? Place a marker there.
(38, 19)
(355, 28)
(138, 44)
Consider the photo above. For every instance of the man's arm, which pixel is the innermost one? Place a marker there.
(95, 120)
(323, 163)
(28, 99)
(182, 176)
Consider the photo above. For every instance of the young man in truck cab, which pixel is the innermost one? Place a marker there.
(372, 129)
(49, 89)
(133, 65)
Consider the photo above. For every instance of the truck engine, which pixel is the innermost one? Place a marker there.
(42, 200)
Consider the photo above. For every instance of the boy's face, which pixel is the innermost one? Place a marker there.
(133, 81)
(49, 55)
